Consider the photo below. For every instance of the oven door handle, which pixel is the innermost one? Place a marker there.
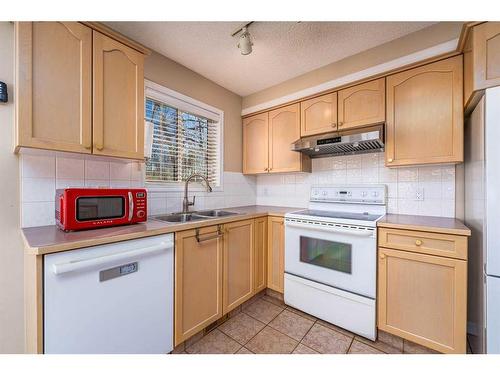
(332, 229)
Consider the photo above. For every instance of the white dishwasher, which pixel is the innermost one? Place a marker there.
(115, 298)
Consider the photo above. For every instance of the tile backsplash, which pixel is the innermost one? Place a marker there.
(435, 185)
(43, 173)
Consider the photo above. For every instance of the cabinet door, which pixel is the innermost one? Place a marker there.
(425, 115)
(423, 298)
(53, 96)
(284, 129)
(118, 116)
(198, 281)
(238, 264)
(486, 55)
(260, 254)
(276, 254)
(318, 115)
(362, 105)
(256, 144)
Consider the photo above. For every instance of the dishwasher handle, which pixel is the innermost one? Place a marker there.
(77, 265)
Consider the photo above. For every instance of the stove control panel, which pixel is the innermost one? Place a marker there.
(371, 194)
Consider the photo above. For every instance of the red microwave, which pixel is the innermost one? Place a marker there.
(80, 208)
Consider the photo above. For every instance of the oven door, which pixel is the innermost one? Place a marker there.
(343, 257)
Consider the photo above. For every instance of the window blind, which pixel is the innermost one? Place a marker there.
(183, 143)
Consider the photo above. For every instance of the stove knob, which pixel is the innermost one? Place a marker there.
(375, 193)
(363, 193)
(324, 193)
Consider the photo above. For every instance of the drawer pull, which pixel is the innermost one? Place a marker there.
(418, 242)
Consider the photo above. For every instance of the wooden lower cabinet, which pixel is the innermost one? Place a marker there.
(423, 298)
(238, 259)
(260, 254)
(198, 281)
(276, 254)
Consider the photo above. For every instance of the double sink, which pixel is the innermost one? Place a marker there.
(194, 216)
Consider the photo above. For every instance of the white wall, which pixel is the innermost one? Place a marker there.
(11, 248)
(44, 172)
(437, 182)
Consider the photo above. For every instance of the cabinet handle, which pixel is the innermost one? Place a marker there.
(418, 242)
(341, 123)
(210, 236)
(334, 124)
(382, 256)
(390, 160)
(266, 169)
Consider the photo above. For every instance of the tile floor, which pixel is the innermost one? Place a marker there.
(265, 325)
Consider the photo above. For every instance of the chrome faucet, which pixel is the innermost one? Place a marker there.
(185, 202)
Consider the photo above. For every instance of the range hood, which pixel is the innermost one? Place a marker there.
(348, 142)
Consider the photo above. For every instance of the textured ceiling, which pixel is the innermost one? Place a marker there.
(282, 50)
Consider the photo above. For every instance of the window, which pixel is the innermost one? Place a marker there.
(186, 137)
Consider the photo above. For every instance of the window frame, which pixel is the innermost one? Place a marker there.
(185, 103)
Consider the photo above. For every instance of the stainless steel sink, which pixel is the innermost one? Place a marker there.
(215, 213)
(180, 218)
(193, 216)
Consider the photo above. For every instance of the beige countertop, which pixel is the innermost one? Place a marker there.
(424, 223)
(50, 239)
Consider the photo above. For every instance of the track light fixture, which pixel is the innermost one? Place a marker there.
(245, 41)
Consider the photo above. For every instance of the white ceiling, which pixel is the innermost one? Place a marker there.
(282, 50)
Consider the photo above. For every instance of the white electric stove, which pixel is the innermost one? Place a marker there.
(330, 256)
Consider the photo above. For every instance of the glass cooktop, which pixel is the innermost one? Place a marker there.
(338, 215)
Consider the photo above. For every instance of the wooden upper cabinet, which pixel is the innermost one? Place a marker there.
(423, 298)
(284, 129)
(118, 105)
(425, 114)
(481, 61)
(260, 254)
(53, 96)
(198, 281)
(267, 140)
(318, 115)
(362, 105)
(276, 254)
(256, 144)
(238, 269)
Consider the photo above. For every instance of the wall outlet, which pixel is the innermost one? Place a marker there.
(419, 194)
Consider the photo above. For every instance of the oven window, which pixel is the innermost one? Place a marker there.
(328, 254)
(96, 208)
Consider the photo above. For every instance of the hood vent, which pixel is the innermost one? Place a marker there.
(349, 142)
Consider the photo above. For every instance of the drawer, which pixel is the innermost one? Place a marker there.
(439, 244)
